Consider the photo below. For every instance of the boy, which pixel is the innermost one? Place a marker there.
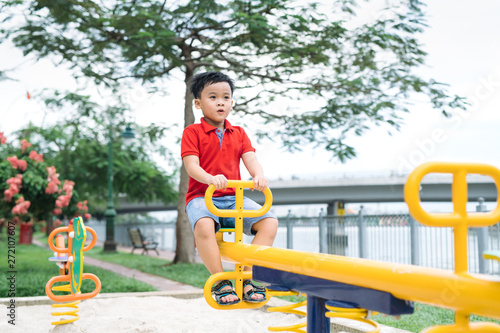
(211, 153)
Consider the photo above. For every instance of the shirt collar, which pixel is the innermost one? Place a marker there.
(207, 127)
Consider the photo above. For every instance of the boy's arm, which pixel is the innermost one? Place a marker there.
(195, 171)
(255, 169)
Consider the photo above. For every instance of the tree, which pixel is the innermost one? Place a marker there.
(78, 146)
(358, 75)
(31, 188)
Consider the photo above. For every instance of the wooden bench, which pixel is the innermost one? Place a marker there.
(139, 242)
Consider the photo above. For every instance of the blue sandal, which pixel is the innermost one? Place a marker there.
(247, 297)
(222, 293)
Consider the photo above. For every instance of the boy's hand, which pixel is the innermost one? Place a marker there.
(219, 181)
(260, 183)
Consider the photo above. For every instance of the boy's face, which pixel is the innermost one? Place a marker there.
(215, 103)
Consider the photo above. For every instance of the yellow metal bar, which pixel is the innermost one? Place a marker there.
(238, 213)
(479, 219)
(234, 275)
(443, 288)
(231, 213)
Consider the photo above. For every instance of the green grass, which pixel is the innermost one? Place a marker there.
(192, 274)
(423, 317)
(33, 271)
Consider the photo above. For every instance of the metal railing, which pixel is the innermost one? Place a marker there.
(396, 238)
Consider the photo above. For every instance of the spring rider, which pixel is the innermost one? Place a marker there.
(70, 263)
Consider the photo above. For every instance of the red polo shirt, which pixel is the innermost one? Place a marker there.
(215, 158)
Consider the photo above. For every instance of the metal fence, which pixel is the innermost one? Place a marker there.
(392, 238)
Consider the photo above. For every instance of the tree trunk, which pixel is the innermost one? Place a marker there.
(184, 251)
(48, 227)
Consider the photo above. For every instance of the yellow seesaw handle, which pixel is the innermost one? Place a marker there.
(239, 185)
(459, 216)
(237, 276)
(238, 213)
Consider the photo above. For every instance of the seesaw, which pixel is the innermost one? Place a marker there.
(70, 263)
(368, 284)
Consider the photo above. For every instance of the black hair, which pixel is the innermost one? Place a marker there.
(200, 81)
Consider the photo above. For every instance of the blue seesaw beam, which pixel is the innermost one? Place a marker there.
(320, 290)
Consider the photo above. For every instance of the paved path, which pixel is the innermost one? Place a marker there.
(167, 255)
(156, 281)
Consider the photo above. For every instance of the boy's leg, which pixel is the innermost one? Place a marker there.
(266, 230)
(208, 250)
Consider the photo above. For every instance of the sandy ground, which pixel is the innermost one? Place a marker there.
(148, 314)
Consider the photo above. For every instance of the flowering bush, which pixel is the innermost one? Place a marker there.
(32, 190)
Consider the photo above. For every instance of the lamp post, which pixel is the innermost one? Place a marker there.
(110, 213)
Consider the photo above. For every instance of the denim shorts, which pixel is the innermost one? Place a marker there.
(197, 209)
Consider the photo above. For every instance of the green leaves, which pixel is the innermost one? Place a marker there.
(82, 156)
(358, 73)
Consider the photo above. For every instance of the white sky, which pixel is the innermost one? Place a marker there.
(464, 51)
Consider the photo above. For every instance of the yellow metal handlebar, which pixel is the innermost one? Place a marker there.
(238, 213)
(238, 276)
(459, 219)
(458, 192)
(239, 185)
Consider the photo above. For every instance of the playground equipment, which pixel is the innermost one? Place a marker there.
(291, 308)
(238, 274)
(350, 311)
(70, 263)
(373, 285)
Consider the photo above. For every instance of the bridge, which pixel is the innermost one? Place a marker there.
(434, 188)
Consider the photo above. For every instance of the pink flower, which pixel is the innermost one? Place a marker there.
(8, 195)
(21, 207)
(87, 216)
(51, 170)
(13, 161)
(15, 180)
(16, 163)
(22, 164)
(35, 156)
(82, 206)
(53, 176)
(51, 188)
(68, 186)
(3, 139)
(24, 145)
(63, 201)
(14, 187)
(57, 211)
